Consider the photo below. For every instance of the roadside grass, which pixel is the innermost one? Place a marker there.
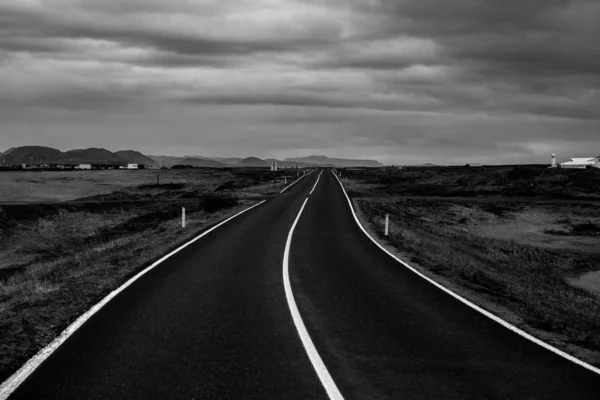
(523, 283)
(57, 260)
(56, 266)
(501, 181)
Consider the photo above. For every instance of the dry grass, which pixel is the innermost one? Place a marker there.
(31, 186)
(525, 282)
(65, 277)
(57, 261)
(502, 181)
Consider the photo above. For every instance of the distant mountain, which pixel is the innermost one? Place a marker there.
(30, 155)
(253, 162)
(135, 157)
(87, 156)
(9, 150)
(198, 162)
(228, 160)
(200, 157)
(338, 162)
(167, 160)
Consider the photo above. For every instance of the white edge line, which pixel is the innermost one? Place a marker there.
(296, 181)
(316, 183)
(488, 314)
(320, 368)
(12, 383)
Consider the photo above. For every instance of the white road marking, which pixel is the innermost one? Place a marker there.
(488, 314)
(316, 183)
(320, 368)
(12, 383)
(296, 181)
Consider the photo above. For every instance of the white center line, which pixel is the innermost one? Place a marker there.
(320, 368)
(314, 187)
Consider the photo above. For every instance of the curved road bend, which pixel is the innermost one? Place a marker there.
(211, 322)
(383, 332)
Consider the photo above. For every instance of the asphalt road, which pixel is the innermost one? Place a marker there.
(383, 332)
(213, 322)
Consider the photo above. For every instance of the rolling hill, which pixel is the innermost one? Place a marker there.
(135, 157)
(338, 162)
(200, 162)
(47, 155)
(253, 162)
(30, 155)
(168, 160)
(229, 160)
(87, 156)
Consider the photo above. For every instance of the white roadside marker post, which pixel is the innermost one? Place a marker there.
(387, 224)
(182, 217)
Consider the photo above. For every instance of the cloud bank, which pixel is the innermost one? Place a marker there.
(404, 81)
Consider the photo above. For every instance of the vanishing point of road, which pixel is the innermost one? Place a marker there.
(291, 300)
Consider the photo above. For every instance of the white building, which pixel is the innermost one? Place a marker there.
(582, 163)
(274, 166)
(84, 166)
(132, 166)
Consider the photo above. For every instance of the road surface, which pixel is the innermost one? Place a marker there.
(214, 322)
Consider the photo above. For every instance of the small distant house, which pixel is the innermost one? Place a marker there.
(132, 166)
(84, 166)
(474, 165)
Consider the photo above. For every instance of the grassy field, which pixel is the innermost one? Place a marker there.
(28, 186)
(505, 181)
(531, 259)
(58, 259)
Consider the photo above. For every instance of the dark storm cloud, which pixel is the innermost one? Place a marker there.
(316, 99)
(176, 60)
(512, 78)
(512, 48)
(36, 30)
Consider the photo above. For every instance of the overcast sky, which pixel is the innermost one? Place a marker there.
(401, 81)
